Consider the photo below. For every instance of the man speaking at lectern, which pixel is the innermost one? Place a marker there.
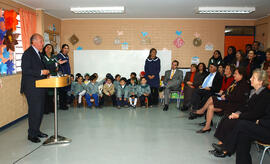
(32, 70)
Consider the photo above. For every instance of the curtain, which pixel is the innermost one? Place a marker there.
(28, 26)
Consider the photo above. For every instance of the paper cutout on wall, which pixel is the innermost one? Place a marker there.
(6, 53)
(10, 67)
(97, 40)
(124, 46)
(209, 47)
(3, 68)
(178, 42)
(79, 48)
(2, 29)
(119, 33)
(10, 20)
(195, 60)
(178, 33)
(145, 40)
(74, 39)
(54, 28)
(10, 40)
(197, 42)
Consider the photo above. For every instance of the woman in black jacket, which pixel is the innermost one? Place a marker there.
(255, 108)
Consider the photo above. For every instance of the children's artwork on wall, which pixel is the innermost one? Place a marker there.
(195, 60)
(209, 46)
(97, 40)
(74, 39)
(197, 42)
(124, 46)
(145, 39)
(79, 48)
(178, 42)
(10, 40)
(10, 20)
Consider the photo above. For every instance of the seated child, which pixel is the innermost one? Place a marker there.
(132, 92)
(116, 84)
(92, 91)
(108, 91)
(144, 92)
(79, 90)
(122, 94)
(70, 96)
(133, 75)
(86, 79)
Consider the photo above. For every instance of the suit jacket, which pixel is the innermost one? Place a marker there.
(217, 82)
(31, 70)
(198, 79)
(177, 77)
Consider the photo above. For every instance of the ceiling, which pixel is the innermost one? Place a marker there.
(150, 8)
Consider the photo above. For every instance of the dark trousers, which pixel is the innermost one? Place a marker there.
(114, 100)
(63, 98)
(241, 138)
(199, 98)
(36, 103)
(143, 100)
(122, 102)
(49, 104)
(154, 96)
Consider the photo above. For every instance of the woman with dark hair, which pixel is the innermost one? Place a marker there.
(50, 63)
(189, 87)
(231, 51)
(216, 59)
(229, 101)
(64, 68)
(152, 69)
(251, 63)
(266, 63)
(239, 60)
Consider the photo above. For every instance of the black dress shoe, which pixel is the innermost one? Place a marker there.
(34, 139)
(221, 154)
(203, 124)
(218, 147)
(212, 151)
(42, 135)
(193, 115)
(203, 131)
(166, 107)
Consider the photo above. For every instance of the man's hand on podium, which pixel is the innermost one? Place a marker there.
(45, 72)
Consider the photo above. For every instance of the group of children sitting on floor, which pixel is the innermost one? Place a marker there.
(117, 91)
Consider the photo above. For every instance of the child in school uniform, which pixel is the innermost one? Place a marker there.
(122, 94)
(79, 90)
(92, 91)
(86, 79)
(108, 91)
(144, 92)
(132, 92)
(116, 84)
(133, 75)
(70, 96)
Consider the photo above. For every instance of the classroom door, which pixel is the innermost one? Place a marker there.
(238, 36)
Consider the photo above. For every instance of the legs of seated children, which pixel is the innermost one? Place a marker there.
(142, 100)
(88, 97)
(122, 102)
(80, 95)
(133, 101)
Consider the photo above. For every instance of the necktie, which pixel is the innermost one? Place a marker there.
(207, 80)
(172, 74)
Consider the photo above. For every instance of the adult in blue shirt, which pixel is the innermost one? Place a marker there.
(64, 68)
(152, 69)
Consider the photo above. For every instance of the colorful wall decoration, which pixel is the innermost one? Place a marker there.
(8, 40)
(178, 42)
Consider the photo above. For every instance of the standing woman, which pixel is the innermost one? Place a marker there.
(152, 69)
(64, 67)
(50, 63)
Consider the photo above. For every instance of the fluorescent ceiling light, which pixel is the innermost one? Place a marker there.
(225, 10)
(98, 10)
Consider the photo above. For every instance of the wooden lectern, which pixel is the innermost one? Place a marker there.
(55, 82)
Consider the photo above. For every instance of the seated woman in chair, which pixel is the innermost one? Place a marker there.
(249, 123)
(230, 100)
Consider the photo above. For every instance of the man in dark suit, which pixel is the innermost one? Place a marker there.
(172, 81)
(32, 70)
(211, 85)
